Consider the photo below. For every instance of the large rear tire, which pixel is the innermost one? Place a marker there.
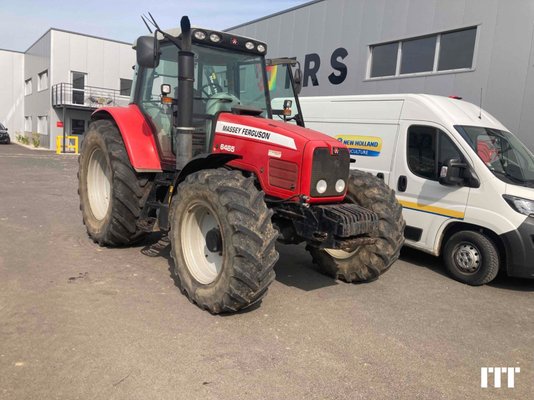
(222, 240)
(367, 262)
(111, 192)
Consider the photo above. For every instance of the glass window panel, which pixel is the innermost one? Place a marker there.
(418, 55)
(457, 49)
(384, 60)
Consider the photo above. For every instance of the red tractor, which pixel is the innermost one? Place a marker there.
(201, 155)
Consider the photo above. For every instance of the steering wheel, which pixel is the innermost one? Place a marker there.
(214, 88)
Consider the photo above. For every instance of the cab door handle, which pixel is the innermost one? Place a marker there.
(402, 183)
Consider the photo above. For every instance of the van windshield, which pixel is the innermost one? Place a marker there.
(502, 153)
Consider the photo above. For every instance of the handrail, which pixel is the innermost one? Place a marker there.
(64, 94)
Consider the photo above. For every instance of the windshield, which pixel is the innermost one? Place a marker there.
(230, 78)
(502, 153)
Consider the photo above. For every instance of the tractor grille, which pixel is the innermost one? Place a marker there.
(329, 167)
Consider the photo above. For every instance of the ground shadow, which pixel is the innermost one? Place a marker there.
(435, 264)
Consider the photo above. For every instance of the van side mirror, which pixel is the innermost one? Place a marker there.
(452, 173)
(147, 51)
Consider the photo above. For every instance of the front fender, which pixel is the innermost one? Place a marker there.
(136, 134)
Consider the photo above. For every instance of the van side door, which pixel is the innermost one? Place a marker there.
(423, 149)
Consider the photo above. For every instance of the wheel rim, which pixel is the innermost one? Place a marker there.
(340, 254)
(98, 184)
(467, 258)
(203, 263)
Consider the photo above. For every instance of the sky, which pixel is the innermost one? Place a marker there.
(25, 21)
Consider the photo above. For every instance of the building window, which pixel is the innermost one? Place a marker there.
(42, 81)
(428, 150)
(42, 125)
(456, 49)
(78, 87)
(446, 51)
(27, 124)
(77, 126)
(28, 87)
(126, 87)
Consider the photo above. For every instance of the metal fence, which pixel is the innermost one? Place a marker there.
(64, 94)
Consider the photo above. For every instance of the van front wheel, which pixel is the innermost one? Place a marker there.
(471, 258)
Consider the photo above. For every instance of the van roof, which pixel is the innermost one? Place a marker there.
(411, 106)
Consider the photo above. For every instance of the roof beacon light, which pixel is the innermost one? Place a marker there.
(455, 97)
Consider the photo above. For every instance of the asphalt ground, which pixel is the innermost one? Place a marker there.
(82, 322)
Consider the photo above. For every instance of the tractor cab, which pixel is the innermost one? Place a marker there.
(230, 74)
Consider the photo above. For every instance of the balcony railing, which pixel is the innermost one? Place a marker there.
(63, 94)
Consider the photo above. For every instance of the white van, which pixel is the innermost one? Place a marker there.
(465, 182)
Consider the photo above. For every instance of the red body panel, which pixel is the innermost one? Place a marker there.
(137, 136)
(258, 140)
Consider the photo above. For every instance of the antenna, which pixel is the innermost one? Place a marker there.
(480, 112)
(146, 24)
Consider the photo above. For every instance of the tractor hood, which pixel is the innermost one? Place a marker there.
(272, 132)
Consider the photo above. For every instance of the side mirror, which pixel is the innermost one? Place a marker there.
(452, 173)
(147, 51)
(297, 79)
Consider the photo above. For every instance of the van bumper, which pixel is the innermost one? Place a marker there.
(519, 246)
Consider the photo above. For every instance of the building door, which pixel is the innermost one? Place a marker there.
(78, 87)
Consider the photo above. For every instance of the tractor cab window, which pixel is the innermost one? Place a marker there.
(225, 79)
(160, 115)
(281, 91)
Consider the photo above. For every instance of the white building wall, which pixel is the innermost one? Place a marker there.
(12, 91)
(36, 104)
(504, 56)
(105, 62)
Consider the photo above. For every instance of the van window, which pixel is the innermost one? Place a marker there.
(428, 150)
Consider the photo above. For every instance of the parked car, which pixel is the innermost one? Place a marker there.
(4, 135)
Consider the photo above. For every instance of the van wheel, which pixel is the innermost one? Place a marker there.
(471, 258)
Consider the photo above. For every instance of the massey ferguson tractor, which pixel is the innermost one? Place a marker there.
(201, 155)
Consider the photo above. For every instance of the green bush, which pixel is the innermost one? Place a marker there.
(36, 139)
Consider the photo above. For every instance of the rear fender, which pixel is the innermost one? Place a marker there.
(136, 134)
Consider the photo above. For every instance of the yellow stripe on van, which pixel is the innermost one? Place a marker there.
(432, 210)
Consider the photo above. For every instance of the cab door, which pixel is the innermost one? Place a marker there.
(427, 204)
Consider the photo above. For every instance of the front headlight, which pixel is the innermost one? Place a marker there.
(321, 186)
(521, 205)
(340, 185)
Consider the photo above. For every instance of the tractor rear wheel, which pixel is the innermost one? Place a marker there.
(222, 240)
(111, 192)
(367, 262)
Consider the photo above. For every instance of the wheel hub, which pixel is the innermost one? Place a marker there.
(467, 257)
(214, 240)
(202, 242)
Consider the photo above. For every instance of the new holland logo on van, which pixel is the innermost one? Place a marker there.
(369, 146)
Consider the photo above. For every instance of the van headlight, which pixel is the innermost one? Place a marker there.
(521, 205)
(321, 186)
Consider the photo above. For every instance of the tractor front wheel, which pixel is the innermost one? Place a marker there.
(367, 262)
(222, 240)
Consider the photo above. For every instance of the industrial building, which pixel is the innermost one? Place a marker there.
(480, 50)
(52, 87)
